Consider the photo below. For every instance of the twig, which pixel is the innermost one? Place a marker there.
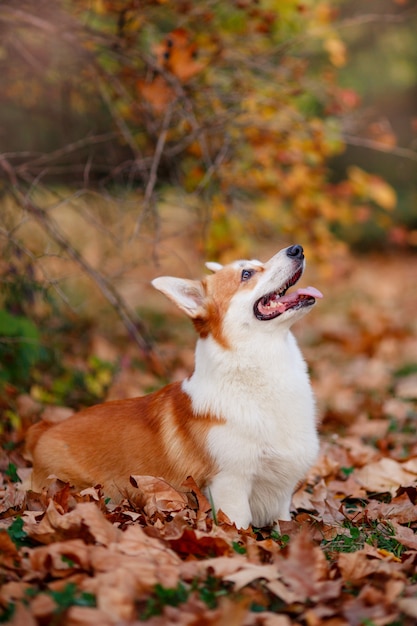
(363, 142)
(152, 180)
(221, 155)
(67, 149)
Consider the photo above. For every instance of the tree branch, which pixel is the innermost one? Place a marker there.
(152, 180)
(363, 142)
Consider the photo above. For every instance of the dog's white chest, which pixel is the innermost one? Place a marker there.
(265, 439)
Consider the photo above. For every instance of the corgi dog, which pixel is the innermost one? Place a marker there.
(242, 425)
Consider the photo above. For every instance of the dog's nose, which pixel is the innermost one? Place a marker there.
(296, 252)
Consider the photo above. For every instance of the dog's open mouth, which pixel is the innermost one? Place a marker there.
(278, 302)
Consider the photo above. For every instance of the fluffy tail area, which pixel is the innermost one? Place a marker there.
(32, 437)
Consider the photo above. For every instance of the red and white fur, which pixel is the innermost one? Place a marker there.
(243, 424)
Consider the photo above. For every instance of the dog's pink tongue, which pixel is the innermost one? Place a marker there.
(290, 298)
(309, 291)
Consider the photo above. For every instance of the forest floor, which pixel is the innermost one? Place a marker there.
(349, 555)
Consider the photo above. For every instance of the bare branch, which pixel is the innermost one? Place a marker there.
(370, 18)
(363, 142)
(221, 155)
(67, 149)
(152, 180)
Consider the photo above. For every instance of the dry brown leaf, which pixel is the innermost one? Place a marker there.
(203, 504)
(266, 619)
(221, 567)
(365, 427)
(407, 387)
(195, 613)
(405, 535)
(22, 616)
(144, 571)
(55, 559)
(400, 510)
(134, 541)
(85, 520)
(42, 607)
(329, 461)
(86, 616)
(411, 465)
(322, 614)
(12, 498)
(349, 487)
(305, 571)
(356, 566)
(408, 606)
(156, 495)
(250, 572)
(385, 475)
(8, 550)
(393, 590)
(199, 544)
(326, 506)
(370, 605)
(117, 589)
(359, 453)
(278, 588)
(12, 591)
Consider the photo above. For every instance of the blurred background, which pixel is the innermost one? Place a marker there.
(144, 137)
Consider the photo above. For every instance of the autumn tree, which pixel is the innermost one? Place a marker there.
(136, 120)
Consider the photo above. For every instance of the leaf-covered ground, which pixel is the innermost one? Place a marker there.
(349, 555)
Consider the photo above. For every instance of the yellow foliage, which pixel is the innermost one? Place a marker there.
(373, 187)
(336, 50)
(209, 98)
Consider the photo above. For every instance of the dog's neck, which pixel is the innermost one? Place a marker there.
(259, 377)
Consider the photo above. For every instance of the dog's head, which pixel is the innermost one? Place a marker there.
(243, 295)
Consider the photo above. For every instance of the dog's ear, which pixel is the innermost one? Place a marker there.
(188, 295)
(213, 266)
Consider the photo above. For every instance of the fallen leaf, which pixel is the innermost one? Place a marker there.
(86, 520)
(12, 591)
(200, 544)
(60, 558)
(400, 510)
(9, 553)
(250, 572)
(356, 566)
(305, 570)
(405, 535)
(369, 607)
(86, 616)
(408, 606)
(22, 616)
(384, 475)
(156, 495)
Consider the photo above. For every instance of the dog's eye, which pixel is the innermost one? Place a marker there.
(246, 274)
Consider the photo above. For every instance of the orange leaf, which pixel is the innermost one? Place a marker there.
(157, 93)
(178, 55)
